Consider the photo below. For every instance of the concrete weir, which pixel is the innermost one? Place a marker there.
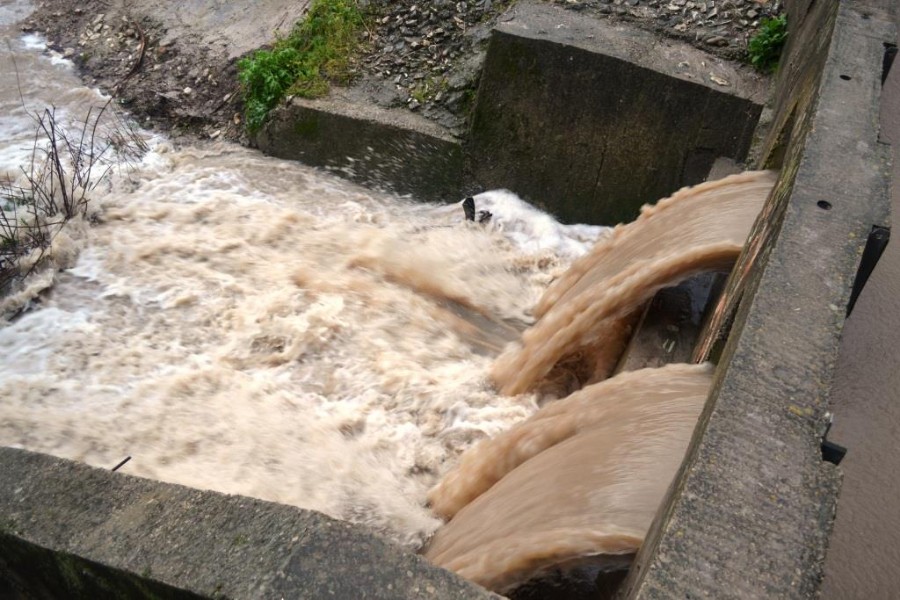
(750, 512)
(587, 119)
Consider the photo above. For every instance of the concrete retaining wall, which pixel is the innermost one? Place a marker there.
(585, 118)
(72, 531)
(393, 150)
(750, 514)
(591, 120)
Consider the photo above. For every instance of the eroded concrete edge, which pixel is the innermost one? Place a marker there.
(72, 531)
(750, 513)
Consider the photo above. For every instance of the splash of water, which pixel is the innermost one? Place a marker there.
(587, 313)
(583, 477)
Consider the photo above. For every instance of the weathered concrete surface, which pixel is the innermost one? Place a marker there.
(393, 150)
(863, 552)
(751, 510)
(591, 119)
(72, 531)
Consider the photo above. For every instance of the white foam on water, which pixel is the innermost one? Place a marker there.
(258, 327)
(254, 326)
(533, 230)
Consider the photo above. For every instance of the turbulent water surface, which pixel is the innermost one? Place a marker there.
(253, 326)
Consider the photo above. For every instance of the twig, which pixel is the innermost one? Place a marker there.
(121, 464)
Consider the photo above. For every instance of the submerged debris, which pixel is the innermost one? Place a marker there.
(482, 216)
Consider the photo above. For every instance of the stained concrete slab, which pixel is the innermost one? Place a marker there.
(72, 531)
(863, 552)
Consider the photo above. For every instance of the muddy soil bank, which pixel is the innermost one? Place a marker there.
(173, 65)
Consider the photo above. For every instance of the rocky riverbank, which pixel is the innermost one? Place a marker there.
(178, 74)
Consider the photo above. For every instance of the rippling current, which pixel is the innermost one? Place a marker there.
(254, 326)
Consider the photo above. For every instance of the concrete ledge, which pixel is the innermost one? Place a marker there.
(393, 150)
(750, 514)
(72, 531)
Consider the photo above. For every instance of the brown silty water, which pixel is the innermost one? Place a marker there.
(583, 477)
(257, 327)
(586, 315)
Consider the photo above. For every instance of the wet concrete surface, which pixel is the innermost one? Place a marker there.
(865, 545)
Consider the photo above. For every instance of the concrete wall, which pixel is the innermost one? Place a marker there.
(393, 150)
(590, 120)
(585, 118)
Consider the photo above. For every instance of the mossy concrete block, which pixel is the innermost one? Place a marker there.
(750, 513)
(72, 531)
(392, 150)
(591, 119)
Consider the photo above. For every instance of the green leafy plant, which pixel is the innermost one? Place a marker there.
(765, 47)
(319, 49)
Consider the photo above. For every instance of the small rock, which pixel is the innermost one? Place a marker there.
(187, 91)
(68, 52)
(718, 80)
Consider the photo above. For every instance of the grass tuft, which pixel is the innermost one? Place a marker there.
(319, 49)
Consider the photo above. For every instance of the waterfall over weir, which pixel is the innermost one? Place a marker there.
(583, 477)
(587, 313)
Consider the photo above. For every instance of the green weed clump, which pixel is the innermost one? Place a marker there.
(319, 49)
(765, 47)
